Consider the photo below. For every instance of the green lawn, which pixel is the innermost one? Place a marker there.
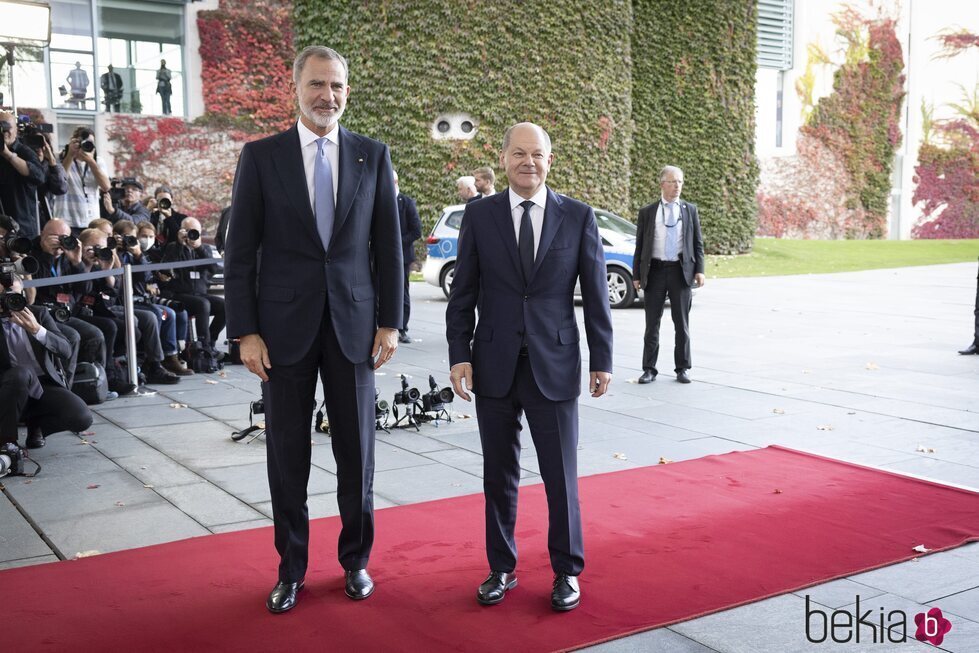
(773, 257)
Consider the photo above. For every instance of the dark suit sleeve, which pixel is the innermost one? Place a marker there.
(594, 297)
(414, 222)
(386, 245)
(698, 242)
(460, 314)
(55, 342)
(245, 229)
(640, 232)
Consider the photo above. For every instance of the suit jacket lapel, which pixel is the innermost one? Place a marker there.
(352, 161)
(553, 216)
(504, 222)
(685, 218)
(292, 174)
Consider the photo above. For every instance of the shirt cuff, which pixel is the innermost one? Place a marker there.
(41, 336)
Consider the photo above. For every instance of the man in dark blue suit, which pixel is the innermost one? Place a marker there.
(520, 253)
(324, 297)
(411, 230)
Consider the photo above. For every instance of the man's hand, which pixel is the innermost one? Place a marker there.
(637, 284)
(598, 383)
(25, 318)
(699, 280)
(107, 203)
(462, 372)
(255, 355)
(74, 255)
(385, 344)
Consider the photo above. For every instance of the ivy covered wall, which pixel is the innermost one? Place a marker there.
(564, 65)
(693, 97)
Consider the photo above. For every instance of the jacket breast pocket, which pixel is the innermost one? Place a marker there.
(568, 336)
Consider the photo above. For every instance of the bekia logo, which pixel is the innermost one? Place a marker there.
(842, 627)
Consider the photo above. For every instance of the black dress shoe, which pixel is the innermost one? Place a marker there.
(404, 338)
(283, 596)
(359, 584)
(970, 350)
(647, 376)
(35, 439)
(565, 595)
(682, 377)
(495, 587)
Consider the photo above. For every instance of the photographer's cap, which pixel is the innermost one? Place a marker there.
(131, 181)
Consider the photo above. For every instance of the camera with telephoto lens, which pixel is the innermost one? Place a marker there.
(434, 400)
(381, 407)
(175, 304)
(87, 146)
(21, 267)
(68, 242)
(32, 134)
(12, 239)
(406, 396)
(164, 203)
(193, 234)
(116, 191)
(59, 311)
(11, 460)
(10, 301)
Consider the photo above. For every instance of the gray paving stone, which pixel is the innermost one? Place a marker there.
(241, 526)
(963, 638)
(214, 395)
(415, 442)
(208, 504)
(250, 482)
(927, 578)
(661, 640)
(28, 562)
(837, 593)
(939, 470)
(201, 445)
(151, 415)
(18, 539)
(151, 467)
(424, 483)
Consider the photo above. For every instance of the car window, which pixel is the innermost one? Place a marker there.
(455, 220)
(615, 223)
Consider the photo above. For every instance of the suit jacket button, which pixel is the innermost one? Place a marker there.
(328, 261)
(526, 297)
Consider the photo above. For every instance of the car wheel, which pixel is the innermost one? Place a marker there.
(448, 272)
(621, 294)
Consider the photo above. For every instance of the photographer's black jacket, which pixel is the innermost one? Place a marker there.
(182, 283)
(49, 266)
(17, 192)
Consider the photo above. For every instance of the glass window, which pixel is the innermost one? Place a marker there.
(72, 85)
(29, 85)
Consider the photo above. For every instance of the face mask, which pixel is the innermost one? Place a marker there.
(146, 243)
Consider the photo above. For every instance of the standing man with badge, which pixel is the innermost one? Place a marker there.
(319, 202)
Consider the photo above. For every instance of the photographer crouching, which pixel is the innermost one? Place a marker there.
(20, 175)
(189, 285)
(33, 384)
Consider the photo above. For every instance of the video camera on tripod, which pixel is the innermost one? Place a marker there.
(434, 400)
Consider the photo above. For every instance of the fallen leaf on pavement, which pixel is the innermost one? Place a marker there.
(92, 486)
(825, 427)
(210, 381)
(873, 366)
(921, 549)
(778, 411)
(620, 456)
(86, 554)
(178, 405)
(664, 461)
(924, 449)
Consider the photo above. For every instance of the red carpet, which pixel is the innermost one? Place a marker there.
(663, 544)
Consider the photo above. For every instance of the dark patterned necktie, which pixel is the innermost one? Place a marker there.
(526, 245)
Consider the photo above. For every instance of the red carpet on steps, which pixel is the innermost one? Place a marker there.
(662, 544)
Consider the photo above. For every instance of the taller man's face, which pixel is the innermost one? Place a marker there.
(671, 185)
(322, 91)
(526, 160)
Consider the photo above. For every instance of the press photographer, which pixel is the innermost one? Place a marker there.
(85, 179)
(100, 296)
(20, 174)
(172, 319)
(33, 384)
(166, 218)
(55, 179)
(125, 205)
(189, 285)
(59, 254)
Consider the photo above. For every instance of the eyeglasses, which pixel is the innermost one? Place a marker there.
(678, 182)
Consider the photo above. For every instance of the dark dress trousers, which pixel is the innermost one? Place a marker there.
(545, 381)
(411, 230)
(660, 279)
(57, 409)
(317, 312)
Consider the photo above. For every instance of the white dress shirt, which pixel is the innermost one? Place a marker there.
(536, 214)
(307, 142)
(659, 233)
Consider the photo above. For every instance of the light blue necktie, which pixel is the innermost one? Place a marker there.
(671, 249)
(323, 194)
